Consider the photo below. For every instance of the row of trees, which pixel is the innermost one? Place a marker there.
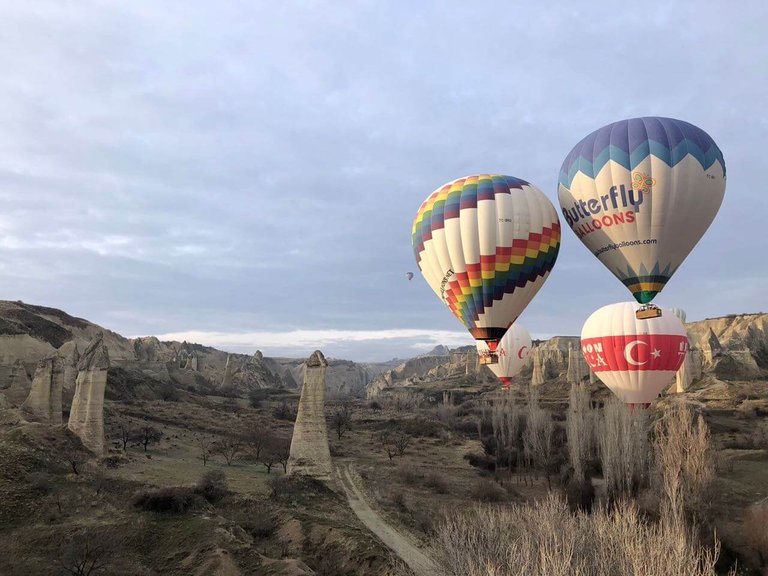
(254, 440)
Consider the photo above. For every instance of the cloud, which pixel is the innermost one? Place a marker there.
(244, 169)
(298, 342)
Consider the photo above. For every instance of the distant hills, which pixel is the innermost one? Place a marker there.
(728, 348)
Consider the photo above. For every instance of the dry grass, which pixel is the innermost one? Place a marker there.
(545, 539)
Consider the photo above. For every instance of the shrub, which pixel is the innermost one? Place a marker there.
(374, 405)
(257, 518)
(421, 427)
(213, 486)
(438, 485)
(297, 487)
(400, 501)
(482, 461)
(755, 534)
(284, 412)
(580, 494)
(407, 474)
(488, 491)
(168, 499)
(545, 538)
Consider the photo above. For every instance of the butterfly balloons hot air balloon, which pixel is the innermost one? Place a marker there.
(512, 352)
(635, 358)
(485, 244)
(639, 194)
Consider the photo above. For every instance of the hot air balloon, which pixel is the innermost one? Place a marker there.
(485, 244)
(512, 352)
(409, 275)
(639, 194)
(679, 312)
(635, 358)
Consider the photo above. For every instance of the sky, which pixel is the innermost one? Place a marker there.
(245, 174)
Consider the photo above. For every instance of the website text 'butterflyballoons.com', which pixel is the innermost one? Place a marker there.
(624, 244)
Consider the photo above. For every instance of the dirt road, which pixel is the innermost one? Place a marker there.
(420, 563)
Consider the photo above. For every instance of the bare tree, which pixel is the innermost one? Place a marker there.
(507, 423)
(277, 451)
(147, 435)
(205, 448)
(446, 410)
(256, 435)
(341, 420)
(538, 434)
(395, 442)
(684, 463)
(74, 458)
(230, 447)
(125, 434)
(623, 448)
(84, 556)
(580, 429)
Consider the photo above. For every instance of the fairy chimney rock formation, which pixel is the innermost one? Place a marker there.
(310, 454)
(86, 417)
(537, 378)
(44, 400)
(229, 372)
(574, 373)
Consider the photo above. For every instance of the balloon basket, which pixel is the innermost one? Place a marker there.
(648, 311)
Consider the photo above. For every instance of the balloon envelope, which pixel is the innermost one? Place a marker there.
(485, 244)
(639, 194)
(636, 359)
(679, 312)
(409, 275)
(512, 352)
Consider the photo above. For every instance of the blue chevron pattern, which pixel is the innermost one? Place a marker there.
(630, 142)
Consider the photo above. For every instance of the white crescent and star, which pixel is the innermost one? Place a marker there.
(628, 352)
(631, 346)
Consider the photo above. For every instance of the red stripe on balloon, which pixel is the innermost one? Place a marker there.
(635, 352)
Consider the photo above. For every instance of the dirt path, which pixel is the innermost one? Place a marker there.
(420, 563)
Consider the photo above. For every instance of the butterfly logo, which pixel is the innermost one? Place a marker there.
(642, 182)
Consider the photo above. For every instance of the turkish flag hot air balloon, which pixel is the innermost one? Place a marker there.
(512, 352)
(485, 244)
(640, 194)
(636, 359)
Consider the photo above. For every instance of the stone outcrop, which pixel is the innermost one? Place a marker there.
(15, 382)
(537, 377)
(86, 417)
(229, 373)
(574, 372)
(309, 445)
(45, 397)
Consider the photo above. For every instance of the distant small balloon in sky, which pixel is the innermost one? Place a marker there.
(640, 194)
(409, 275)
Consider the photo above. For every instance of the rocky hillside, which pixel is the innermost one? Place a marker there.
(730, 348)
(145, 367)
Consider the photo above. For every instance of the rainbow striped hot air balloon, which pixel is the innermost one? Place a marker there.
(486, 244)
(639, 194)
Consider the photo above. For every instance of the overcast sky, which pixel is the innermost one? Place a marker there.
(245, 174)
